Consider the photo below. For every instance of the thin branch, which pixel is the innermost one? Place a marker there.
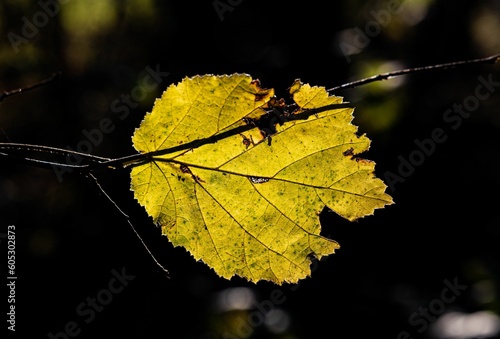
(6, 94)
(48, 149)
(37, 162)
(51, 151)
(101, 162)
(94, 179)
(384, 76)
(16, 147)
(96, 162)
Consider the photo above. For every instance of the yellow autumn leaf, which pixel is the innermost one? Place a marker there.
(245, 203)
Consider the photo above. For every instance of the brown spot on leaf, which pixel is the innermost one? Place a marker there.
(348, 152)
(256, 83)
(259, 97)
(246, 141)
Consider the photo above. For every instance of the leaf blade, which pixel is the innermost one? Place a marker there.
(246, 207)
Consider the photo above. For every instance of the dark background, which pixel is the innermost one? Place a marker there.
(70, 239)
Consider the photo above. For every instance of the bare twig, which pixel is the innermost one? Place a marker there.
(16, 148)
(94, 180)
(6, 94)
(95, 162)
(384, 76)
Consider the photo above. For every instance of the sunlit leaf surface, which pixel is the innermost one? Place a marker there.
(244, 200)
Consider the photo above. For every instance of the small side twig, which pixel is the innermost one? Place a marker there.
(90, 176)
